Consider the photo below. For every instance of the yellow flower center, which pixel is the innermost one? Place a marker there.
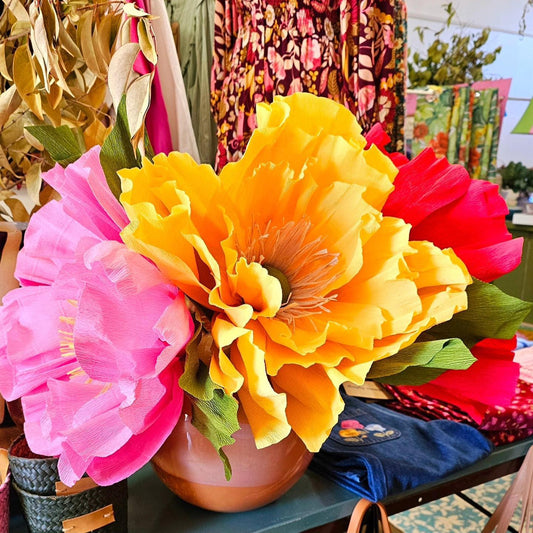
(303, 267)
(283, 281)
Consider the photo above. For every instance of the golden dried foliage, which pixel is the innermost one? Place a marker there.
(65, 63)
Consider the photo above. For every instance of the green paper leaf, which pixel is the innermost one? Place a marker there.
(195, 379)
(217, 420)
(422, 362)
(214, 412)
(413, 376)
(491, 314)
(148, 148)
(61, 143)
(441, 355)
(117, 151)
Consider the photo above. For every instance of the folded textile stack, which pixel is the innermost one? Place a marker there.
(375, 452)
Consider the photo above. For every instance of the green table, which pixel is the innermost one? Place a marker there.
(312, 502)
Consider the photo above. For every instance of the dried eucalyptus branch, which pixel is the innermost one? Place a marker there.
(55, 69)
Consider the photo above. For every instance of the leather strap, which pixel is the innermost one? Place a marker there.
(89, 522)
(359, 513)
(85, 483)
(521, 489)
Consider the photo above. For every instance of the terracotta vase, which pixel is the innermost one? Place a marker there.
(190, 467)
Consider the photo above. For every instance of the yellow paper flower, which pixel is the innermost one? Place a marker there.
(307, 281)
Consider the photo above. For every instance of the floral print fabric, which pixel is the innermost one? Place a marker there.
(348, 51)
(485, 133)
(461, 123)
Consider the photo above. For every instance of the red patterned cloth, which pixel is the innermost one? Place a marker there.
(501, 425)
(414, 403)
(514, 422)
(353, 52)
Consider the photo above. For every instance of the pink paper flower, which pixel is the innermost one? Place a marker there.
(92, 350)
(88, 211)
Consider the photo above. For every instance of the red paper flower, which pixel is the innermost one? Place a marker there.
(445, 206)
(490, 381)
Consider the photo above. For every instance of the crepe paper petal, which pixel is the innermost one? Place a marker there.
(476, 230)
(492, 262)
(81, 405)
(141, 447)
(491, 314)
(264, 407)
(449, 209)
(196, 378)
(440, 354)
(425, 185)
(502, 375)
(307, 276)
(500, 349)
(29, 341)
(476, 410)
(87, 211)
(379, 137)
(490, 381)
(81, 204)
(125, 289)
(92, 341)
(313, 402)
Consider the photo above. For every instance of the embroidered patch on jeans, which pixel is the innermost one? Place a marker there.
(354, 432)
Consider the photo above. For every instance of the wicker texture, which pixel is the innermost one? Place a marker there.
(34, 478)
(45, 514)
(32, 474)
(4, 506)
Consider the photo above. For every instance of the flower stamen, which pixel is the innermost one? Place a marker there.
(304, 269)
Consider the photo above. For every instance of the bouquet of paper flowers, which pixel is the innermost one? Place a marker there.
(315, 260)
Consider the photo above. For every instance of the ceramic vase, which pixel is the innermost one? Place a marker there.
(189, 466)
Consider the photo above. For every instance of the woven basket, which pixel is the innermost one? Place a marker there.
(4, 505)
(32, 473)
(45, 514)
(34, 480)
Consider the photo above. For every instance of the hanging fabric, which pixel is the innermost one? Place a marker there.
(379, 63)
(168, 120)
(459, 131)
(196, 26)
(485, 133)
(344, 50)
(461, 123)
(432, 121)
(172, 88)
